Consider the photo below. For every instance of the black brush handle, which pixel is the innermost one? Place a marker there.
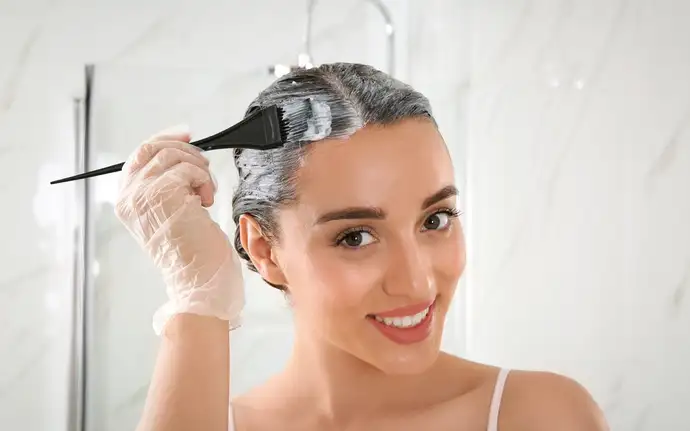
(97, 172)
(203, 146)
(109, 169)
(258, 131)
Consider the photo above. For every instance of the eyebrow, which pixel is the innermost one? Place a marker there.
(376, 213)
(443, 194)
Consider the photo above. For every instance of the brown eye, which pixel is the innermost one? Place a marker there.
(356, 239)
(437, 221)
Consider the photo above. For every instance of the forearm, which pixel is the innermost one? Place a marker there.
(190, 385)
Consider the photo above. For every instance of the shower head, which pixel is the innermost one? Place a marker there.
(304, 60)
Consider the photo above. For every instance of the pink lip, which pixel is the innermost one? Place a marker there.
(408, 310)
(412, 335)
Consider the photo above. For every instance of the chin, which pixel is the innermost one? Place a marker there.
(409, 359)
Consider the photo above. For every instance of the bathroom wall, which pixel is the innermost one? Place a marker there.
(576, 173)
(578, 204)
(44, 46)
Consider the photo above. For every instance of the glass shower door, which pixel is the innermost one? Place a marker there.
(127, 104)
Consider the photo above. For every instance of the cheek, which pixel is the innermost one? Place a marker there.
(333, 280)
(450, 259)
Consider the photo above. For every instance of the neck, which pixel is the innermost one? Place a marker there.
(341, 387)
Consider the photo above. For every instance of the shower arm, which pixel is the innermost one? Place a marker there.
(305, 59)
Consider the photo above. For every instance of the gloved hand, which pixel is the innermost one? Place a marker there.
(166, 185)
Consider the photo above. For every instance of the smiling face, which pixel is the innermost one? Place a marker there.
(372, 251)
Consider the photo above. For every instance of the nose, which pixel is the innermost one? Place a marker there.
(409, 272)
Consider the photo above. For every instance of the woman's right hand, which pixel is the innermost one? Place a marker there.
(165, 188)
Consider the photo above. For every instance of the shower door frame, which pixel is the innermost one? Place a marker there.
(83, 253)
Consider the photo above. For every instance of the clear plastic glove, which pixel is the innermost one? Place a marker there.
(165, 188)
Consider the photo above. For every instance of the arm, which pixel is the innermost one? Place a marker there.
(165, 191)
(190, 385)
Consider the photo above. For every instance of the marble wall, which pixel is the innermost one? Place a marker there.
(568, 122)
(157, 63)
(578, 198)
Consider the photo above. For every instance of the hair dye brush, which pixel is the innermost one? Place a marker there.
(264, 129)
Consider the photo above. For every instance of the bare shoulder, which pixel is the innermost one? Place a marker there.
(536, 401)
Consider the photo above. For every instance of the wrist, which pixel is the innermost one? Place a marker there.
(193, 325)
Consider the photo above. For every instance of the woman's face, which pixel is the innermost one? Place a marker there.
(373, 250)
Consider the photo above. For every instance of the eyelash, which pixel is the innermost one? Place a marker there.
(450, 212)
(359, 229)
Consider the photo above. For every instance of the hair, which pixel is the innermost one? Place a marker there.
(355, 94)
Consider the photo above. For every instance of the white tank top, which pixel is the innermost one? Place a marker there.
(493, 408)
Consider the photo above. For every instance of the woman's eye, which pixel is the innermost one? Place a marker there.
(438, 221)
(357, 239)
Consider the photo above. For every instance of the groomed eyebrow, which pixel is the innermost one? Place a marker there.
(443, 194)
(375, 213)
(352, 213)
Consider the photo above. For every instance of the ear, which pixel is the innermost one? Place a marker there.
(260, 250)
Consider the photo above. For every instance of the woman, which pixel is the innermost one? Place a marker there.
(360, 230)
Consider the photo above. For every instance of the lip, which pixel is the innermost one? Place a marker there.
(408, 310)
(405, 336)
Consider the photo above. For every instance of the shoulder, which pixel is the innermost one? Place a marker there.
(536, 401)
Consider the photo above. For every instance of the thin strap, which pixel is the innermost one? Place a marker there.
(496, 399)
(231, 419)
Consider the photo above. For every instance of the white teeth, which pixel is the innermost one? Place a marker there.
(404, 322)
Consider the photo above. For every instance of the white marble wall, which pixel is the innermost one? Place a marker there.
(44, 46)
(576, 175)
(579, 198)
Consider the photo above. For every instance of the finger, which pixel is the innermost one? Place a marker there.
(197, 179)
(215, 183)
(168, 157)
(148, 150)
(206, 192)
(145, 152)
